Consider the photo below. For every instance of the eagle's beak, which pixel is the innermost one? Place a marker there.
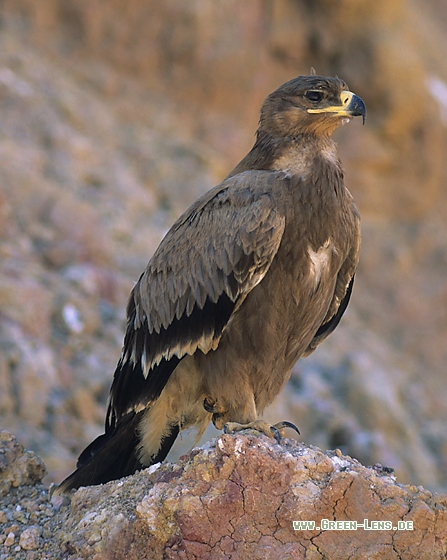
(351, 106)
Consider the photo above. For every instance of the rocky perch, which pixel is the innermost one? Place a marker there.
(238, 497)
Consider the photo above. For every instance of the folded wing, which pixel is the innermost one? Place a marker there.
(210, 259)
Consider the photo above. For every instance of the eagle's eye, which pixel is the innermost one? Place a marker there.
(314, 96)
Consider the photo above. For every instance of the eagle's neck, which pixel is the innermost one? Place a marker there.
(298, 155)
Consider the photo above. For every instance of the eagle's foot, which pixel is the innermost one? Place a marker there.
(275, 430)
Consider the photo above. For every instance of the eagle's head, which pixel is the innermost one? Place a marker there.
(310, 105)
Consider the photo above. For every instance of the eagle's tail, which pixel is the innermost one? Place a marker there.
(114, 455)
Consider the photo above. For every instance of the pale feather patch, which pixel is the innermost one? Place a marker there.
(296, 162)
(299, 162)
(319, 261)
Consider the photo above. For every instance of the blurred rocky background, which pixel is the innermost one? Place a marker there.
(115, 116)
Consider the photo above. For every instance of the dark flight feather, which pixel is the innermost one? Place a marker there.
(122, 447)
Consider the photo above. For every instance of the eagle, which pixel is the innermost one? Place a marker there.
(253, 276)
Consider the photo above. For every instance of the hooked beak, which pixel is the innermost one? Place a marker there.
(351, 105)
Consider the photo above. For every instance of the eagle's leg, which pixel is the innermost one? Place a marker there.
(275, 430)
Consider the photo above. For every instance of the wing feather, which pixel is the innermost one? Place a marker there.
(217, 251)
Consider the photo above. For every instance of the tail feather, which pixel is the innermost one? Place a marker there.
(114, 455)
(109, 457)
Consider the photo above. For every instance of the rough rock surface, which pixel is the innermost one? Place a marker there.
(234, 498)
(17, 467)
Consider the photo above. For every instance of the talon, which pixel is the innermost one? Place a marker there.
(276, 433)
(284, 424)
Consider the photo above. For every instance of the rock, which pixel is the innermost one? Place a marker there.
(10, 538)
(17, 466)
(239, 496)
(30, 538)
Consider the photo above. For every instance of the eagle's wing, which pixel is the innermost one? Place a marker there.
(207, 263)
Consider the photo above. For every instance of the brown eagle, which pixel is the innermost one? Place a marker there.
(254, 275)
